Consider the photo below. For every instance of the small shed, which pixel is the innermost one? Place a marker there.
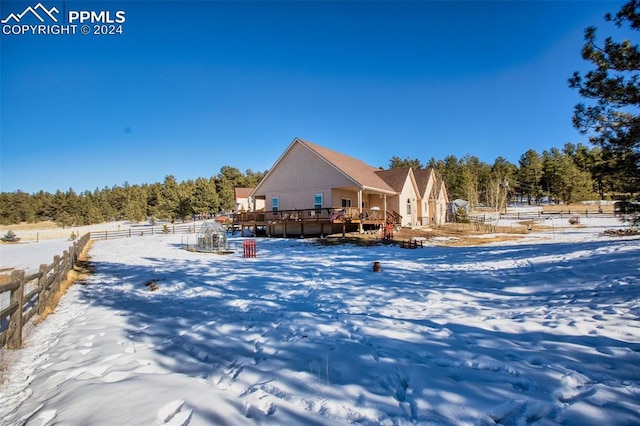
(212, 237)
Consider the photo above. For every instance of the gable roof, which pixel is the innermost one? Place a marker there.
(439, 189)
(395, 178)
(422, 179)
(357, 171)
(243, 192)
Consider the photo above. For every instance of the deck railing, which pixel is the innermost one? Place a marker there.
(326, 214)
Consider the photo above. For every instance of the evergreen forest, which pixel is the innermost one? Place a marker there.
(572, 174)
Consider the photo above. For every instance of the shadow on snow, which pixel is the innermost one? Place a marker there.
(512, 332)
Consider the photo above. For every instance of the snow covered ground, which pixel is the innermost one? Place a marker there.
(516, 333)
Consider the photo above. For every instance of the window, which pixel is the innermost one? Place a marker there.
(275, 204)
(346, 202)
(408, 206)
(317, 201)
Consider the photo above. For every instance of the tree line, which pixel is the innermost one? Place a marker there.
(170, 200)
(568, 175)
(571, 174)
(608, 117)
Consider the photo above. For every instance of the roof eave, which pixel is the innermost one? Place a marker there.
(383, 191)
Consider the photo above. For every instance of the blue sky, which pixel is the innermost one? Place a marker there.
(189, 87)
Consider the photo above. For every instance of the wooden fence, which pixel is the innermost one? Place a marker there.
(145, 230)
(29, 294)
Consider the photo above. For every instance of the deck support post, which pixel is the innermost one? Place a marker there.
(360, 227)
(384, 200)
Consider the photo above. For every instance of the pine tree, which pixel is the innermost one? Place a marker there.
(398, 163)
(205, 197)
(229, 178)
(169, 198)
(530, 174)
(613, 87)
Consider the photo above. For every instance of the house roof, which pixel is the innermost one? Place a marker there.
(358, 171)
(243, 192)
(422, 179)
(440, 189)
(395, 178)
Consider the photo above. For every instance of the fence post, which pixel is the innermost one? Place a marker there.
(42, 287)
(56, 274)
(15, 322)
(73, 254)
(67, 264)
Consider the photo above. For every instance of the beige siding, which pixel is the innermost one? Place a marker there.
(433, 212)
(393, 204)
(408, 196)
(338, 194)
(441, 206)
(374, 201)
(428, 205)
(429, 213)
(300, 175)
(244, 204)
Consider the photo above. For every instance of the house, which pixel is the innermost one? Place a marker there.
(422, 198)
(312, 190)
(434, 198)
(403, 182)
(244, 202)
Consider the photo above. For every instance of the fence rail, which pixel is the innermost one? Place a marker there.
(30, 294)
(539, 215)
(144, 230)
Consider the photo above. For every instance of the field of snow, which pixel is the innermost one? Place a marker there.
(512, 334)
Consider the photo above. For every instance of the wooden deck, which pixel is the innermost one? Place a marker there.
(312, 221)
